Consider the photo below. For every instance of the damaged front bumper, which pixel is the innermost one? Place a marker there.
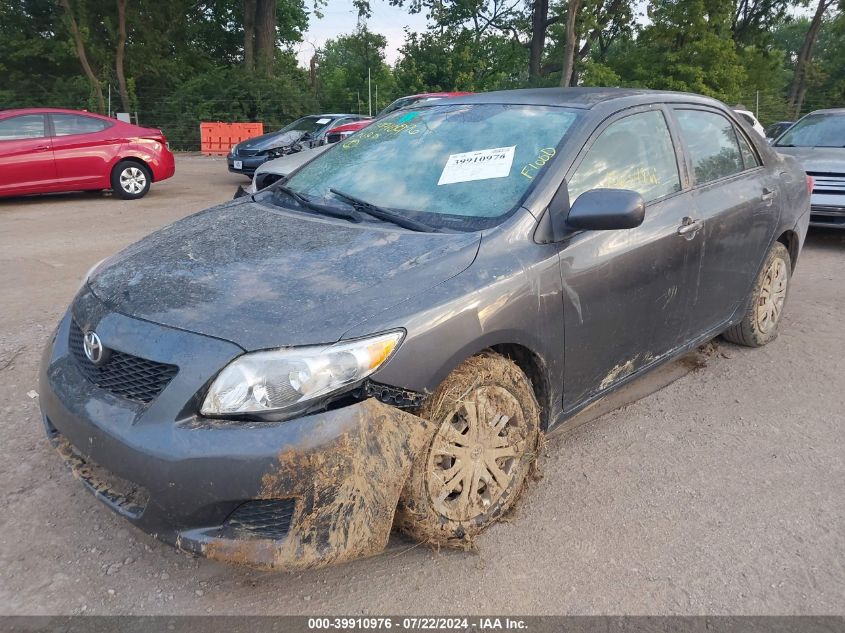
(327, 495)
(298, 494)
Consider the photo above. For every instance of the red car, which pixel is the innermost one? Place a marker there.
(45, 150)
(342, 131)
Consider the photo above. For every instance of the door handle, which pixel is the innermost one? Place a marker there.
(768, 194)
(689, 227)
(41, 148)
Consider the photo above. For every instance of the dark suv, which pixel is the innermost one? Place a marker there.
(383, 338)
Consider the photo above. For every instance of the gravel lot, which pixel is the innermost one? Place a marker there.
(722, 492)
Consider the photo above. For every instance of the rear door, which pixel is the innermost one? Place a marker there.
(84, 147)
(625, 292)
(737, 199)
(26, 155)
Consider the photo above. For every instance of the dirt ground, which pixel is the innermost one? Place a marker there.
(723, 492)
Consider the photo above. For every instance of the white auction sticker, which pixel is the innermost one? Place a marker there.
(322, 121)
(478, 165)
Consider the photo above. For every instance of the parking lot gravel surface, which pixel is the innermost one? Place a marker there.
(722, 492)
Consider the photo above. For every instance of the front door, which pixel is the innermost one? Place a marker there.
(26, 155)
(625, 292)
(737, 199)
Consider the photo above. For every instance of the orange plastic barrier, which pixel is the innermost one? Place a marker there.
(218, 138)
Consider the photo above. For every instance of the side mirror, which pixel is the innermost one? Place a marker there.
(607, 209)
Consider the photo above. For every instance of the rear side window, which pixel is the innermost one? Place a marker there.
(67, 124)
(749, 158)
(633, 153)
(712, 144)
(22, 127)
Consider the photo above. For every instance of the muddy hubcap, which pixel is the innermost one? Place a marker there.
(772, 296)
(132, 180)
(475, 454)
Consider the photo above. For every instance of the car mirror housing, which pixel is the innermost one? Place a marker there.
(607, 209)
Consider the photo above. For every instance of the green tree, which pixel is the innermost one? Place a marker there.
(343, 65)
(688, 47)
(447, 61)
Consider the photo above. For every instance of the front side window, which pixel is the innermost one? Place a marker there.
(712, 145)
(22, 127)
(68, 124)
(816, 130)
(464, 167)
(633, 153)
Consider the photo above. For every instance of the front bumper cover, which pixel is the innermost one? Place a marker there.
(181, 477)
(345, 483)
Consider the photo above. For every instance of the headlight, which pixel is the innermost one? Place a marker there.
(285, 380)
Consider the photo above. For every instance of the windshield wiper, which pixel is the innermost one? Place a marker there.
(319, 208)
(384, 214)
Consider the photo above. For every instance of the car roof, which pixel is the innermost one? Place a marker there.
(827, 111)
(15, 111)
(334, 115)
(583, 98)
(436, 94)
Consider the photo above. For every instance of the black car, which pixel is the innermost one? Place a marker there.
(778, 128)
(384, 338)
(309, 131)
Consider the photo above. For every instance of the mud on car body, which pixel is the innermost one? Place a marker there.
(381, 339)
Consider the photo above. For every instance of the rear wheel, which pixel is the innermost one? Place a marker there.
(760, 323)
(487, 439)
(130, 180)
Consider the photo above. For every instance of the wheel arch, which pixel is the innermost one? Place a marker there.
(522, 354)
(535, 370)
(134, 159)
(792, 242)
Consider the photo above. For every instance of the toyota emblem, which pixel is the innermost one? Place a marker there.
(94, 350)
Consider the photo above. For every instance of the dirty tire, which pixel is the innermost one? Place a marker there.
(760, 323)
(130, 180)
(474, 469)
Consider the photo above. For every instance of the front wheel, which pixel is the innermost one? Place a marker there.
(487, 439)
(765, 309)
(130, 180)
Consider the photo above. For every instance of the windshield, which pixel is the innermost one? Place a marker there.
(816, 130)
(461, 167)
(307, 124)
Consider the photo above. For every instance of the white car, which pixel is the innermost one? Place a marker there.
(752, 121)
(271, 171)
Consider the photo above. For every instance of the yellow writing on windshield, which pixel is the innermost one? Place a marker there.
(545, 155)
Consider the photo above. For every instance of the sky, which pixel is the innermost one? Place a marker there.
(339, 18)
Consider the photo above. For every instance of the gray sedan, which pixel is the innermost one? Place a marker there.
(383, 338)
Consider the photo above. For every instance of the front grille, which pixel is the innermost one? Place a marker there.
(246, 152)
(262, 518)
(127, 376)
(828, 182)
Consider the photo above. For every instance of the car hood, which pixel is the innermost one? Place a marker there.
(817, 159)
(287, 163)
(263, 277)
(271, 139)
